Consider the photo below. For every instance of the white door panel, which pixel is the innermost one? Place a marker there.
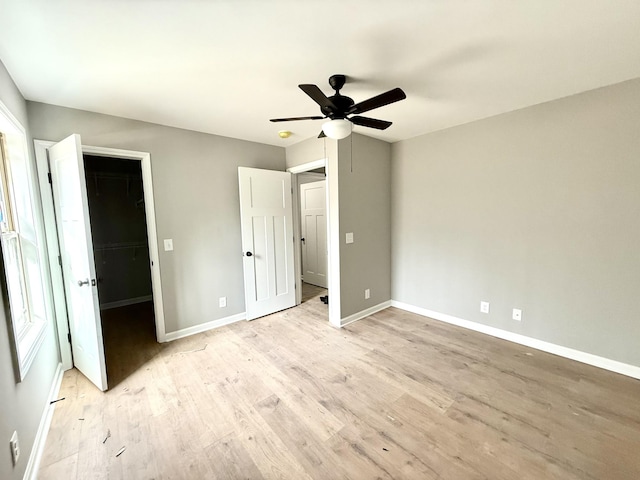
(313, 200)
(267, 240)
(78, 267)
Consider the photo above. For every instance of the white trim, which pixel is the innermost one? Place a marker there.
(364, 313)
(203, 327)
(33, 465)
(297, 234)
(333, 236)
(53, 250)
(53, 247)
(31, 342)
(4, 110)
(305, 167)
(126, 302)
(152, 235)
(566, 352)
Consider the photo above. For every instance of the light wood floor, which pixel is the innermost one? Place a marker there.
(394, 396)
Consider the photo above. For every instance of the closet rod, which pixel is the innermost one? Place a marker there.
(120, 246)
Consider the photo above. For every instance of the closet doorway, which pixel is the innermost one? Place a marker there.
(115, 196)
(311, 224)
(314, 259)
(133, 341)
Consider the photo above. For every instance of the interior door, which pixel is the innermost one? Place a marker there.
(313, 221)
(267, 240)
(78, 267)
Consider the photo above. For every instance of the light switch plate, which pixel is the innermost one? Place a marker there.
(15, 448)
(350, 237)
(484, 307)
(168, 244)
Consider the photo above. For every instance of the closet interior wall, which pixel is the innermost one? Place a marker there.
(118, 227)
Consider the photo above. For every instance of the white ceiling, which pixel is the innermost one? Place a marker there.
(227, 66)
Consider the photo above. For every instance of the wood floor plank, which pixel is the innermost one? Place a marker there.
(65, 434)
(310, 451)
(229, 460)
(265, 448)
(64, 468)
(288, 396)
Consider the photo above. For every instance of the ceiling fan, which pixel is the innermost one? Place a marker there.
(338, 108)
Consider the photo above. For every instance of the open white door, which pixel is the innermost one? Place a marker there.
(78, 267)
(313, 222)
(267, 240)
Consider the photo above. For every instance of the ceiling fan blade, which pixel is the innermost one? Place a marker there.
(317, 96)
(370, 122)
(322, 135)
(385, 98)
(316, 117)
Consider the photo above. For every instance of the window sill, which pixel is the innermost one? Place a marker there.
(29, 346)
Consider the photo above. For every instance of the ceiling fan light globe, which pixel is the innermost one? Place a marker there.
(337, 129)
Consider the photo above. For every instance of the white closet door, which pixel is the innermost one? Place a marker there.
(78, 266)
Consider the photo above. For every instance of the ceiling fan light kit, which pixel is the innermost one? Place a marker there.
(337, 129)
(338, 108)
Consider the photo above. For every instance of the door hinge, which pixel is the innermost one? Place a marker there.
(69, 336)
(60, 260)
(49, 177)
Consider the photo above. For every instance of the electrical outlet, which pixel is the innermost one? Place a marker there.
(222, 302)
(484, 307)
(349, 237)
(15, 448)
(367, 294)
(517, 314)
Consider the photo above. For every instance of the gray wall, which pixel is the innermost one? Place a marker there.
(195, 181)
(21, 404)
(537, 209)
(306, 151)
(364, 171)
(364, 197)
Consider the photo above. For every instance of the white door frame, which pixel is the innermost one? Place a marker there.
(333, 238)
(54, 249)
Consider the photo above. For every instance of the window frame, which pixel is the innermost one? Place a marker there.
(26, 336)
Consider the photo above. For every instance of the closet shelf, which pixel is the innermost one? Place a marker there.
(120, 246)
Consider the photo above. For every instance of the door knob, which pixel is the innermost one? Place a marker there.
(302, 239)
(249, 254)
(83, 282)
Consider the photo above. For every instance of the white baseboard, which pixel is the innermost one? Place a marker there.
(221, 322)
(364, 313)
(577, 355)
(31, 473)
(125, 302)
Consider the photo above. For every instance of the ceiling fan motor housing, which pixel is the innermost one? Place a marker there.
(337, 81)
(342, 103)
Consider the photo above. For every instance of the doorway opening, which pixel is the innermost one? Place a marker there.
(115, 196)
(311, 224)
(314, 263)
(63, 291)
